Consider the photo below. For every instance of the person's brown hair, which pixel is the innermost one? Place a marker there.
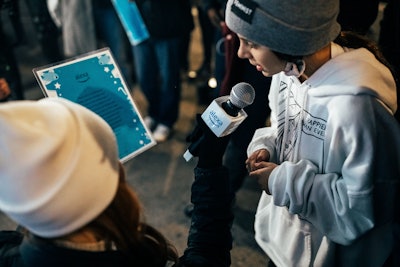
(121, 225)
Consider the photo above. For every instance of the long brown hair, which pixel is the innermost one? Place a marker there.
(120, 225)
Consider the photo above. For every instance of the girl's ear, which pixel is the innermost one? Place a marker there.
(295, 68)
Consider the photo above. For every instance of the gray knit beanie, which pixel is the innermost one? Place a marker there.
(291, 27)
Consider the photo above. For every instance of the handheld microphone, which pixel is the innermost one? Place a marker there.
(242, 95)
(225, 114)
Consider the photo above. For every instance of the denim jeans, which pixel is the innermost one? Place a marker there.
(110, 30)
(158, 72)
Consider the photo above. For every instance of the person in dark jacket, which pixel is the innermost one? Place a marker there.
(10, 77)
(358, 15)
(389, 41)
(157, 61)
(70, 198)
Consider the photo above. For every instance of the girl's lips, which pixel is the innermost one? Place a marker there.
(258, 67)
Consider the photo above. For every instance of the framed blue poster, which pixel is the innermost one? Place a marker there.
(94, 81)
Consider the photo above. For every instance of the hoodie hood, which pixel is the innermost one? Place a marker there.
(355, 72)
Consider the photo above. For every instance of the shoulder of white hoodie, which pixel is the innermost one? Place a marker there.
(355, 72)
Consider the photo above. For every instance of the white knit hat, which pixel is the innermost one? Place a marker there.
(58, 165)
(292, 27)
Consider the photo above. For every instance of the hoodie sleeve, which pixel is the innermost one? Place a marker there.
(265, 138)
(339, 200)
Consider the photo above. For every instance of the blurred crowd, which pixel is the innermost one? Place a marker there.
(66, 29)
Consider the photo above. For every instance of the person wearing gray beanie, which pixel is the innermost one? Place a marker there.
(288, 27)
(328, 164)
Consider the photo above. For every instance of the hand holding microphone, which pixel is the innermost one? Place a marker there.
(220, 119)
(206, 145)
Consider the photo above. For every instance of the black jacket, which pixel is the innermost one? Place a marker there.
(15, 251)
(210, 239)
(166, 18)
(217, 4)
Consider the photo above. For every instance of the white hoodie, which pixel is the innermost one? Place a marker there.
(338, 146)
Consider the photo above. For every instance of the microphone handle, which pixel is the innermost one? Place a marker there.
(193, 149)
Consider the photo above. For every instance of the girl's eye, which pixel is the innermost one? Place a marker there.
(250, 44)
(247, 43)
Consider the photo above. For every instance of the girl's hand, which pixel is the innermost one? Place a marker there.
(258, 156)
(262, 171)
